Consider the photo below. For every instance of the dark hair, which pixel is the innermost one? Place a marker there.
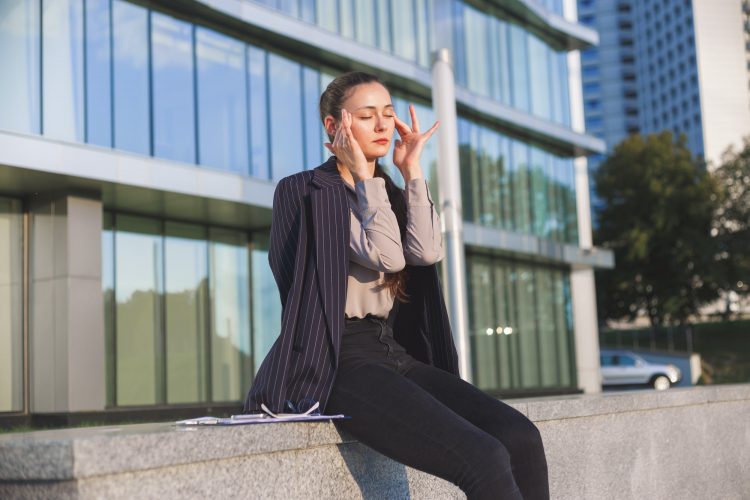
(330, 104)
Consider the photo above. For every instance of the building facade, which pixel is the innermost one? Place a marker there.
(140, 143)
(678, 65)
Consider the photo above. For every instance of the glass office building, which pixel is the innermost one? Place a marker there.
(140, 143)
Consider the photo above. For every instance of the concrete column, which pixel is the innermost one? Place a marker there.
(67, 353)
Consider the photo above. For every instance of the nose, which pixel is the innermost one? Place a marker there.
(381, 123)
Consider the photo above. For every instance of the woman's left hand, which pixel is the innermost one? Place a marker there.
(408, 149)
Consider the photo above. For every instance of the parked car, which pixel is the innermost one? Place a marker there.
(621, 367)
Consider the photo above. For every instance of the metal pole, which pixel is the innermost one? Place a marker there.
(449, 182)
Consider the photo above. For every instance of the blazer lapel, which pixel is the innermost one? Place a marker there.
(331, 230)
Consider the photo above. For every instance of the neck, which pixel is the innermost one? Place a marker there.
(346, 174)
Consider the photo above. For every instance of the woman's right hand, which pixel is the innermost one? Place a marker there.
(346, 149)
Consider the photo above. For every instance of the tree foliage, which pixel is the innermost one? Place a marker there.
(731, 224)
(656, 214)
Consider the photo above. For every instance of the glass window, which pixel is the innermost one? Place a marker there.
(383, 24)
(527, 328)
(20, 61)
(404, 29)
(258, 99)
(11, 309)
(498, 52)
(564, 329)
(490, 165)
(98, 73)
(174, 110)
(328, 14)
(286, 119)
(476, 44)
(539, 194)
(313, 126)
(222, 102)
(131, 80)
(138, 278)
(470, 178)
(366, 24)
(266, 301)
(230, 314)
(62, 67)
(520, 183)
(483, 324)
(624, 360)
(346, 13)
(186, 289)
(519, 68)
(548, 351)
(539, 77)
(423, 15)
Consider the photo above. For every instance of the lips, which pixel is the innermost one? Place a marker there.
(381, 141)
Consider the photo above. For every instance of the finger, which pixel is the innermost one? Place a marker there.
(401, 127)
(431, 131)
(398, 143)
(414, 119)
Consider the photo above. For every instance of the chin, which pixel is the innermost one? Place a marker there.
(377, 151)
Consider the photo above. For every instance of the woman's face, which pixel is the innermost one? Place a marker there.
(372, 118)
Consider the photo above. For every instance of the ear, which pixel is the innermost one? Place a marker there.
(330, 124)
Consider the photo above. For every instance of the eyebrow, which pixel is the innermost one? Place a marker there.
(374, 107)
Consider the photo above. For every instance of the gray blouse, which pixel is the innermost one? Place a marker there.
(376, 246)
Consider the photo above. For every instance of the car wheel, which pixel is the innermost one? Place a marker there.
(661, 383)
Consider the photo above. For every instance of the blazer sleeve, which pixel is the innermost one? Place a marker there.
(285, 221)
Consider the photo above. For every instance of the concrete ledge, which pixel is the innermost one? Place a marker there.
(681, 443)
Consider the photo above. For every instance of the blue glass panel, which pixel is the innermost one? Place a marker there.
(62, 67)
(520, 182)
(307, 10)
(258, 99)
(519, 68)
(98, 73)
(328, 14)
(313, 125)
(19, 60)
(423, 15)
(366, 26)
(539, 192)
(222, 102)
(229, 277)
(476, 43)
(539, 78)
(174, 100)
(131, 81)
(287, 144)
(266, 301)
(403, 24)
(383, 25)
(346, 16)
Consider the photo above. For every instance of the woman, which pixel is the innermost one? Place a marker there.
(364, 326)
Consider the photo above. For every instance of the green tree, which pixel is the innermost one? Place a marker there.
(656, 212)
(731, 224)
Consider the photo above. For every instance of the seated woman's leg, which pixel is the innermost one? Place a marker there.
(394, 416)
(519, 434)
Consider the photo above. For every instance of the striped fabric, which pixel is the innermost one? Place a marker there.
(308, 257)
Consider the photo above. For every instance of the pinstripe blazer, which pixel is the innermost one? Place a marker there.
(308, 254)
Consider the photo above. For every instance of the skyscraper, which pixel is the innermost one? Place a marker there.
(140, 144)
(678, 65)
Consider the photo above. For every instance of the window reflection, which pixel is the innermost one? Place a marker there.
(177, 311)
(98, 75)
(186, 276)
(287, 157)
(19, 53)
(230, 315)
(130, 71)
(138, 271)
(62, 67)
(266, 302)
(222, 104)
(519, 334)
(172, 66)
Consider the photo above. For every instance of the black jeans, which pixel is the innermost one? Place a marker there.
(431, 420)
